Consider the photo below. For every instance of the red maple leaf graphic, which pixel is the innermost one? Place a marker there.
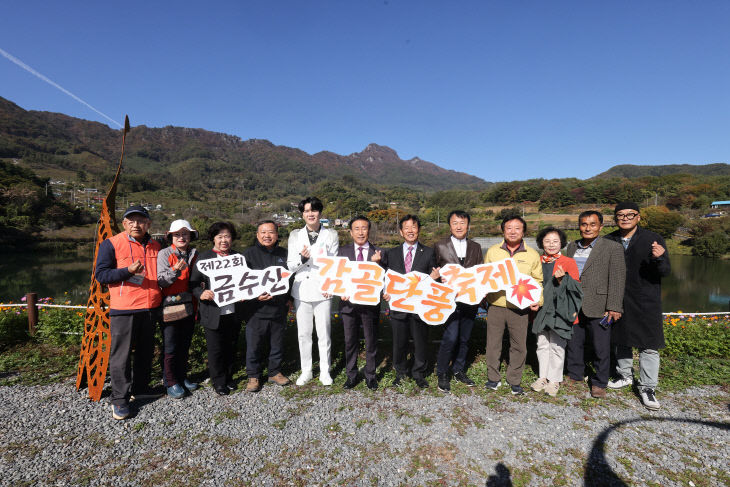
(522, 290)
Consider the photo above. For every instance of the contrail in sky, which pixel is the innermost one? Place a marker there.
(52, 83)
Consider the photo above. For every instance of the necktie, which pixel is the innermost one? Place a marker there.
(409, 259)
(359, 254)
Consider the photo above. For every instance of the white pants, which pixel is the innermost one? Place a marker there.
(551, 355)
(309, 314)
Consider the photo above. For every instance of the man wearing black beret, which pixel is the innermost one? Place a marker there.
(641, 324)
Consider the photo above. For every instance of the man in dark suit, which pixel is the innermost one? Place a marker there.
(457, 249)
(602, 272)
(411, 256)
(356, 315)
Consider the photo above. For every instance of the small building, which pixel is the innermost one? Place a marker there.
(720, 205)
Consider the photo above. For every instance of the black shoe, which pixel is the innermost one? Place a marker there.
(222, 390)
(398, 380)
(349, 383)
(444, 384)
(421, 382)
(372, 383)
(517, 390)
(464, 379)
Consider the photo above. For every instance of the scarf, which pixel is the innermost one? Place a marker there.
(546, 259)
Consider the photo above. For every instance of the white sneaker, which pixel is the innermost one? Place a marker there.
(620, 383)
(649, 399)
(325, 379)
(539, 384)
(304, 377)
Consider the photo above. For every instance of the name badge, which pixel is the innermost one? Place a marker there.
(136, 279)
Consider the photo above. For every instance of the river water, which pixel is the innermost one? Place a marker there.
(696, 284)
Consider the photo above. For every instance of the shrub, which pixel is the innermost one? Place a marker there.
(13, 326)
(703, 337)
(660, 220)
(60, 326)
(714, 244)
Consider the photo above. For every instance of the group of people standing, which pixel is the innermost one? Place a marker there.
(603, 290)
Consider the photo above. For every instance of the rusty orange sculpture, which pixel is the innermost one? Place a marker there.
(96, 342)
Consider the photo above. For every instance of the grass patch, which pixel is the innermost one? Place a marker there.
(225, 415)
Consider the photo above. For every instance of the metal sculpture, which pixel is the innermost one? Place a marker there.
(96, 342)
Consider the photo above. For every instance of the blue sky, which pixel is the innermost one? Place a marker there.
(502, 90)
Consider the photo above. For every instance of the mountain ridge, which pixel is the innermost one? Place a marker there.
(59, 135)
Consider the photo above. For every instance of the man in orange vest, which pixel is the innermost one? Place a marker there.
(127, 264)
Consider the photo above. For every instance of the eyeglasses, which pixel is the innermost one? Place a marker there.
(181, 235)
(626, 216)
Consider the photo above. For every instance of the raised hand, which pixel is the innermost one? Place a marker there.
(657, 250)
(136, 267)
(306, 252)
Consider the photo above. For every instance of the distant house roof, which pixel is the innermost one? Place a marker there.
(721, 202)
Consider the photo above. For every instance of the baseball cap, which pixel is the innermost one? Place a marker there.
(180, 224)
(136, 209)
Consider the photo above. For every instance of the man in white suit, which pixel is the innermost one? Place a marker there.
(312, 307)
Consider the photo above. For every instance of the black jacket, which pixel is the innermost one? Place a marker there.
(641, 323)
(209, 311)
(424, 261)
(346, 307)
(259, 257)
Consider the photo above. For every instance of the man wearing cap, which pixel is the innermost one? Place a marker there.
(640, 325)
(127, 264)
(174, 264)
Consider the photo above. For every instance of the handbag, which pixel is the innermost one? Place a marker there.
(177, 307)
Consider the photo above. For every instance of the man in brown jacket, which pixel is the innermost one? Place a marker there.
(456, 249)
(602, 271)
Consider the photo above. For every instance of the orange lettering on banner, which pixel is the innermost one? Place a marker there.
(506, 272)
(401, 305)
(462, 282)
(325, 263)
(368, 286)
(327, 286)
(439, 301)
(409, 291)
(343, 268)
(394, 289)
(487, 271)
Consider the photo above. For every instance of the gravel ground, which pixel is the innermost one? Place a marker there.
(53, 435)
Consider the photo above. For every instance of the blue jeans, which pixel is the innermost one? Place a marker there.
(648, 365)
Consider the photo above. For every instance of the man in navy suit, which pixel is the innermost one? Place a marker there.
(356, 315)
(411, 256)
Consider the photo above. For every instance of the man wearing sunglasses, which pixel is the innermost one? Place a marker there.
(641, 324)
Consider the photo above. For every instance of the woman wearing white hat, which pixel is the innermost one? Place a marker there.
(174, 264)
